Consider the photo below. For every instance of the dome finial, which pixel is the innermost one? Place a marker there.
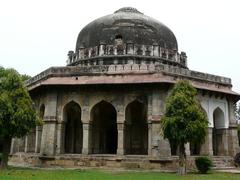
(128, 9)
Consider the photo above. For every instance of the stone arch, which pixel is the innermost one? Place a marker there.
(218, 118)
(218, 131)
(104, 135)
(73, 131)
(62, 108)
(136, 128)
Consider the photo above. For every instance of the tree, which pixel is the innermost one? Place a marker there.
(17, 114)
(184, 120)
(25, 77)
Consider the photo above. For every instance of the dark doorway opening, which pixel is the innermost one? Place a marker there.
(73, 128)
(136, 129)
(104, 128)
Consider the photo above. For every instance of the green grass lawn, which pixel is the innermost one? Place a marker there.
(20, 174)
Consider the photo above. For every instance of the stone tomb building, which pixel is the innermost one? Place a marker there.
(105, 107)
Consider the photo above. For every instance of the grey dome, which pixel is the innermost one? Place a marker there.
(131, 25)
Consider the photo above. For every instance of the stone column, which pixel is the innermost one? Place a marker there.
(160, 146)
(149, 138)
(207, 147)
(164, 149)
(130, 48)
(224, 150)
(233, 144)
(38, 139)
(60, 138)
(48, 142)
(102, 49)
(155, 50)
(26, 144)
(120, 148)
(13, 146)
(87, 132)
(187, 149)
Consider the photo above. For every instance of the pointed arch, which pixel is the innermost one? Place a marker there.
(136, 128)
(218, 118)
(104, 136)
(73, 139)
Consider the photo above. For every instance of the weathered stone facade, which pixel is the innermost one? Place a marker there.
(105, 107)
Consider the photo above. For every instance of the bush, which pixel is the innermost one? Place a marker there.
(203, 164)
(237, 160)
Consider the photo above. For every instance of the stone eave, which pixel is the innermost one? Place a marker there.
(130, 78)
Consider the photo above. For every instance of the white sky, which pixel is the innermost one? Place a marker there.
(37, 34)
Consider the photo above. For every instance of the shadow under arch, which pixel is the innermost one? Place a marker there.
(73, 133)
(42, 111)
(218, 132)
(104, 134)
(136, 129)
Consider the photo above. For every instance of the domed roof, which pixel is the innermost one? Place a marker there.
(129, 24)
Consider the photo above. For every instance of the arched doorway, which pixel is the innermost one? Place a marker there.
(218, 129)
(136, 129)
(104, 129)
(73, 129)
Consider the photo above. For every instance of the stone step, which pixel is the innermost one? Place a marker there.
(222, 162)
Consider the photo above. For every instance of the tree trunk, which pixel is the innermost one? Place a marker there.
(182, 160)
(5, 152)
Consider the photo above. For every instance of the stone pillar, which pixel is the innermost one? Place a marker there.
(26, 144)
(13, 146)
(48, 142)
(60, 138)
(149, 138)
(231, 113)
(155, 50)
(224, 150)
(81, 53)
(167, 54)
(207, 147)
(130, 49)
(102, 49)
(38, 139)
(87, 132)
(187, 149)
(233, 144)
(160, 52)
(164, 149)
(143, 50)
(120, 148)
(160, 146)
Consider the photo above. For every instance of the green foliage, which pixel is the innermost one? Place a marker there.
(203, 164)
(17, 115)
(25, 77)
(184, 120)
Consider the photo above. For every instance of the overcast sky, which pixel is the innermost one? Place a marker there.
(37, 34)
